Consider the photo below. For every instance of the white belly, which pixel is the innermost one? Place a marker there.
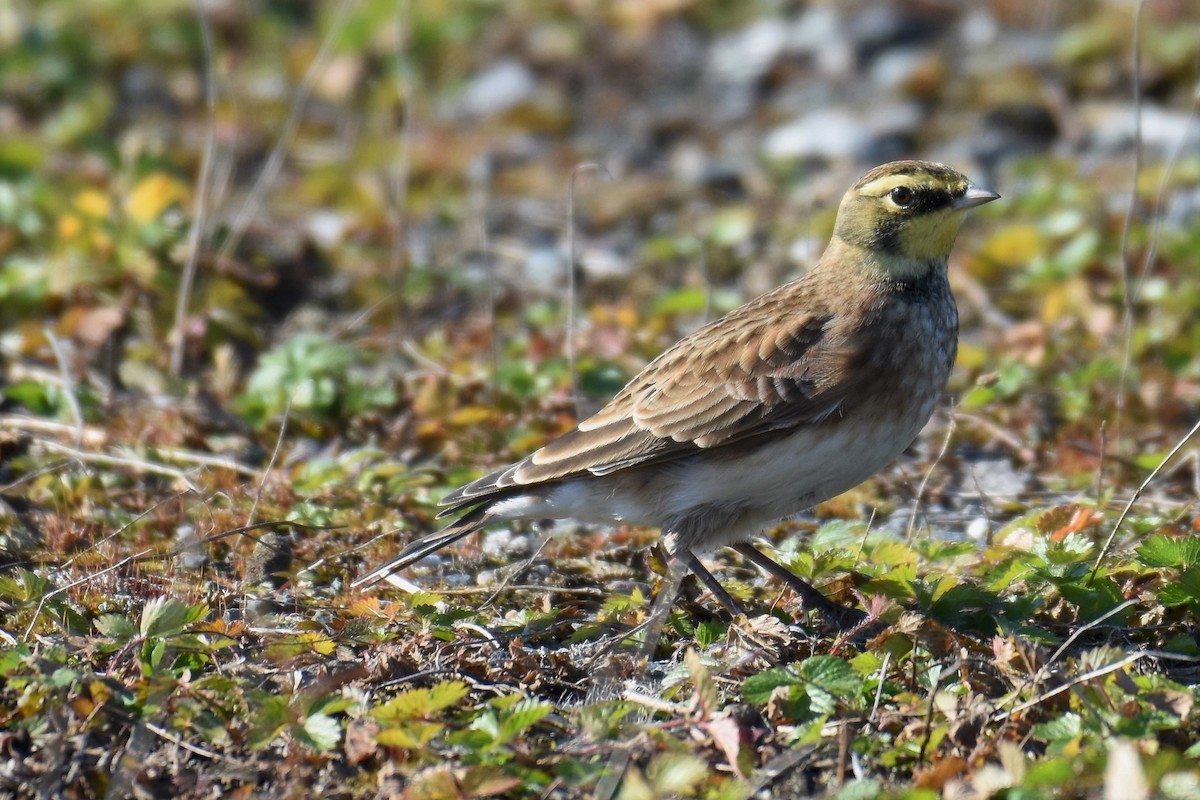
(727, 497)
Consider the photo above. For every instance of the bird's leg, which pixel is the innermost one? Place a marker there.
(842, 616)
(689, 560)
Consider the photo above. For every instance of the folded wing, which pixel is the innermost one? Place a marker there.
(753, 372)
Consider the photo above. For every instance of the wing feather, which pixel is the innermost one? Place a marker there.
(776, 363)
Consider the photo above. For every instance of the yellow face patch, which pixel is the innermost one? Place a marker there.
(930, 235)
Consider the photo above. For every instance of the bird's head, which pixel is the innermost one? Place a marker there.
(906, 213)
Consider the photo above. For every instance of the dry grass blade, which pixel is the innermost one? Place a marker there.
(1136, 495)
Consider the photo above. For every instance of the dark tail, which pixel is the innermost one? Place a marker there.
(429, 543)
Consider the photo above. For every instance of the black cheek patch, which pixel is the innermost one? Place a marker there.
(886, 234)
(929, 200)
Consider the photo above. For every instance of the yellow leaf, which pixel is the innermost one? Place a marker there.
(69, 226)
(1054, 304)
(1014, 246)
(972, 356)
(472, 416)
(93, 203)
(153, 195)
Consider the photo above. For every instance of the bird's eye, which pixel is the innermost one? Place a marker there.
(902, 196)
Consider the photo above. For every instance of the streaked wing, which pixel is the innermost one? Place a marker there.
(772, 364)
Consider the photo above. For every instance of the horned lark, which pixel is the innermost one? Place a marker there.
(795, 397)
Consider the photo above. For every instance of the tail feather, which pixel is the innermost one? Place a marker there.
(429, 543)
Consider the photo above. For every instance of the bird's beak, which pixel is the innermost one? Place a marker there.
(974, 196)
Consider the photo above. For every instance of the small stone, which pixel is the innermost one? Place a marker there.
(506, 544)
(828, 133)
(500, 88)
(979, 529)
(745, 56)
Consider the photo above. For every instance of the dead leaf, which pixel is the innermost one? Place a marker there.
(727, 736)
(360, 740)
(1081, 519)
(444, 783)
(937, 775)
(1124, 778)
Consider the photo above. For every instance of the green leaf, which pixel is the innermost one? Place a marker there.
(1060, 730)
(273, 716)
(833, 675)
(13, 658)
(23, 586)
(489, 723)
(412, 734)
(522, 716)
(164, 616)
(893, 554)
(674, 774)
(601, 380)
(1163, 551)
(710, 632)
(690, 300)
(322, 732)
(419, 703)
(830, 681)
(757, 689)
(446, 694)
(411, 704)
(153, 651)
(62, 677)
(1095, 600)
(116, 626)
(1184, 589)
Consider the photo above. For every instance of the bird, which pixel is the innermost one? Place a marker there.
(788, 400)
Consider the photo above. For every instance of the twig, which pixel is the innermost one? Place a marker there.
(99, 543)
(1075, 634)
(1007, 438)
(37, 612)
(520, 570)
(1126, 267)
(68, 384)
(863, 541)
(287, 413)
(479, 629)
(1100, 464)
(274, 162)
(912, 520)
(883, 671)
(95, 437)
(91, 436)
(400, 161)
(467, 591)
(655, 704)
(409, 348)
(1138, 493)
(1161, 191)
(937, 682)
(1057, 690)
(206, 460)
(653, 625)
(191, 748)
(117, 461)
(188, 277)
